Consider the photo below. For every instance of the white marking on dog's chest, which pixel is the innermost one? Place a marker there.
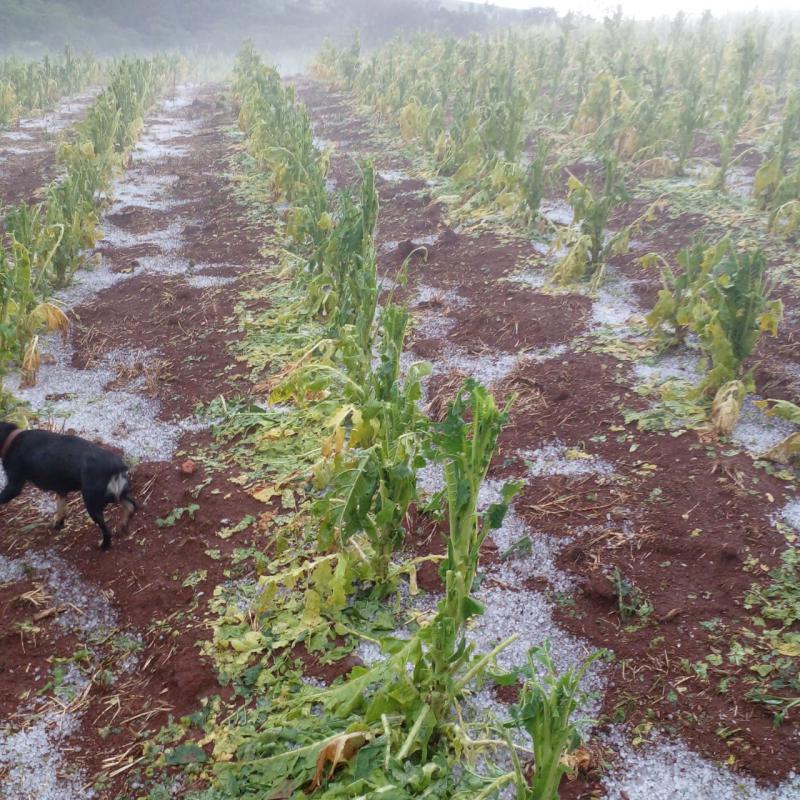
(117, 485)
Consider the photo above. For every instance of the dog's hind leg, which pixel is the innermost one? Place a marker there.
(94, 506)
(129, 508)
(98, 517)
(61, 512)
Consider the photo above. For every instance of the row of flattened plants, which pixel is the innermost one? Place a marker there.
(339, 442)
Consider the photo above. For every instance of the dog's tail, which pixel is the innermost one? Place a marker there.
(118, 485)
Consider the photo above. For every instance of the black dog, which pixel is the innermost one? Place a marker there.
(63, 464)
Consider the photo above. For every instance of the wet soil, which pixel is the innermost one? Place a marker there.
(28, 153)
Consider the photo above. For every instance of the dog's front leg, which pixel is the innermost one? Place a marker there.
(61, 512)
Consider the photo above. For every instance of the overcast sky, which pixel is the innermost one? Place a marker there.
(654, 8)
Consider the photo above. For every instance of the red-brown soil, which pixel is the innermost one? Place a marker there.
(32, 165)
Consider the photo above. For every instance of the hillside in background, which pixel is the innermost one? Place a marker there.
(111, 25)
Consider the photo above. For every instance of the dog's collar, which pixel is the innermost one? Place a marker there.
(10, 439)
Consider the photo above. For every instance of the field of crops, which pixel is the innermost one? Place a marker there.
(461, 380)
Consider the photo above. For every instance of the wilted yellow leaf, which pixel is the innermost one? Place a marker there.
(337, 751)
(789, 649)
(265, 494)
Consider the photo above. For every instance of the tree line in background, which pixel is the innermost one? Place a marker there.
(111, 25)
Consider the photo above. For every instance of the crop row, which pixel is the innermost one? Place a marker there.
(45, 243)
(490, 109)
(29, 86)
(334, 354)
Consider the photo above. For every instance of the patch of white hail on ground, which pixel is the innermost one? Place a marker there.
(86, 611)
(555, 458)
(393, 175)
(509, 611)
(740, 182)
(61, 116)
(683, 365)
(372, 654)
(430, 479)
(183, 97)
(43, 502)
(16, 136)
(489, 368)
(168, 238)
(756, 431)
(34, 764)
(417, 241)
(135, 189)
(546, 353)
(242, 594)
(422, 604)
(93, 278)
(79, 400)
(539, 562)
(157, 143)
(535, 278)
(549, 250)
(667, 769)
(558, 212)
(139, 188)
(430, 323)
(791, 513)
(163, 264)
(11, 569)
(792, 369)
(208, 281)
(426, 294)
(20, 151)
(614, 305)
(385, 283)
(71, 683)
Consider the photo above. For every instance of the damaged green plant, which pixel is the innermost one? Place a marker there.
(722, 296)
(387, 726)
(590, 249)
(368, 477)
(545, 712)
